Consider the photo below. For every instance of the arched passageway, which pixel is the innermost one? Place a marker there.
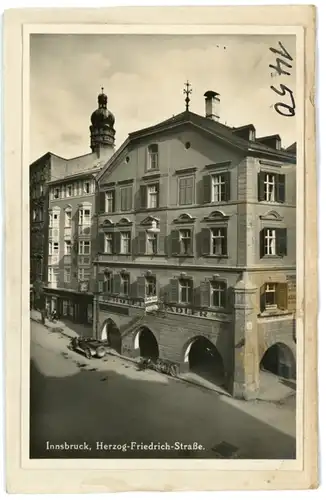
(147, 344)
(111, 334)
(279, 360)
(204, 360)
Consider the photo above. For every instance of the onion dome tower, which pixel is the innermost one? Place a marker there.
(102, 128)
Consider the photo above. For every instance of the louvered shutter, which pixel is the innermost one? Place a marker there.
(227, 177)
(174, 291)
(117, 283)
(261, 187)
(191, 292)
(205, 237)
(102, 201)
(262, 242)
(175, 242)
(282, 296)
(207, 189)
(143, 196)
(191, 245)
(224, 231)
(142, 242)
(100, 279)
(281, 242)
(281, 188)
(101, 242)
(141, 287)
(161, 247)
(158, 194)
(262, 298)
(129, 198)
(223, 294)
(117, 243)
(205, 293)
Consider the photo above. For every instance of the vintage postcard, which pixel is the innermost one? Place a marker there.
(161, 318)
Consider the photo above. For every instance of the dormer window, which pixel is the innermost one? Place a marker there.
(153, 157)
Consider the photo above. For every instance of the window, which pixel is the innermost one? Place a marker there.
(68, 218)
(125, 242)
(186, 190)
(153, 157)
(56, 193)
(218, 294)
(185, 241)
(87, 187)
(273, 242)
(109, 201)
(84, 248)
(219, 241)
(125, 284)
(108, 243)
(108, 283)
(67, 274)
(185, 291)
(53, 248)
(41, 189)
(53, 275)
(151, 243)
(83, 274)
(271, 187)
(218, 188)
(84, 217)
(67, 247)
(69, 191)
(273, 296)
(34, 214)
(150, 286)
(125, 198)
(152, 196)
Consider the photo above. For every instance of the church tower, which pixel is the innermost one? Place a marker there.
(102, 128)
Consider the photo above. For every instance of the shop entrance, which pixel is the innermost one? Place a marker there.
(205, 361)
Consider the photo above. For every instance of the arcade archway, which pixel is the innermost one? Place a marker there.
(205, 361)
(147, 344)
(111, 334)
(279, 360)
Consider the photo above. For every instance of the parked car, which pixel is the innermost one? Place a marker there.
(90, 347)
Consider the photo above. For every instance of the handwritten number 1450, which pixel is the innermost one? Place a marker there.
(281, 65)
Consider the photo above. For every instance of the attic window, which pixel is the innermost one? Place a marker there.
(153, 157)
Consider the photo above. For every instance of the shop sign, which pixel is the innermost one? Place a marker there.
(114, 309)
(200, 313)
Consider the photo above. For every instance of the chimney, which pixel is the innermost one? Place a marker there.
(212, 105)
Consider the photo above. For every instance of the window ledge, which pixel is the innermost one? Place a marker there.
(212, 256)
(152, 171)
(277, 312)
(183, 255)
(267, 257)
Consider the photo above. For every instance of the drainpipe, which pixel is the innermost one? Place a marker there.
(96, 292)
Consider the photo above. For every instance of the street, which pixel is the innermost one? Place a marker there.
(111, 410)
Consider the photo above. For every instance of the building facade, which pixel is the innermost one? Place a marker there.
(196, 254)
(69, 233)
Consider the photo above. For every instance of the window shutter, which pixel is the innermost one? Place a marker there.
(262, 298)
(225, 240)
(174, 291)
(262, 242)
(117, 243)
(143, 196)
(282, 296)
(207, 189)
(191, 246)
(205, 294)
(190, 190)
(129, 198)
(182, 192)
(102, 201)
(100, 279)
(191, 292)
(142, 242)
(281, 242)
(158, 194)
(175, 242)
(141, 287)
(281, 188)
(227, 176)
(223, 295)
(260, 183)
(113, 200)
(116, 283)
(101, 242)
(161, 244)
(133, 289)
(205, 241)
(157, 287)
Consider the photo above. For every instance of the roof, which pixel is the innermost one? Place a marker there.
(83, 173)
(207, 125)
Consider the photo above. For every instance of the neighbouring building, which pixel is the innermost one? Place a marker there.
(196, 249)
(70, 230)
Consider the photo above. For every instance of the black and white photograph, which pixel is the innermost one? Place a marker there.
(163, 246)
(165, 325)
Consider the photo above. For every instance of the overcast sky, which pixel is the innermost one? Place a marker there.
(144, 78)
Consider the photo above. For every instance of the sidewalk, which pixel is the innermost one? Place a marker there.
(66, 327)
